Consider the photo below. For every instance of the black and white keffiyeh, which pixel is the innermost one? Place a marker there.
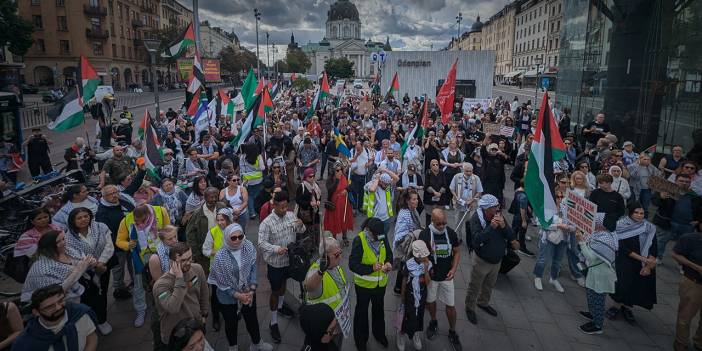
(226, 273)
(77, 248)
(46, 271)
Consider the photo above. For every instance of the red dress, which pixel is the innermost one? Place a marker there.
(336, 221)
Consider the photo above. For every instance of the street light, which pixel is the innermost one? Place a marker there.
(152, 46)
(275, 52)
(268, 58)
(538, 61)
(459, 18)
(257, 14)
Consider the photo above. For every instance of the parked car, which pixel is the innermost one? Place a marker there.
(29, 89)
(358, 84)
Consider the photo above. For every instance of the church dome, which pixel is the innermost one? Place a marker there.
(477, 26)
(343, 9)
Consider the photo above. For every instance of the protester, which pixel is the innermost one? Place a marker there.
(639, 173)
(669, 163)
(414, 295)
(685, 214)
(11, 324)
(319, 325)
(378, 197)
(174, 200)
(39, 223)
(608, 201)
(619, 183)
(213, 242)
(466, 189)
(189, 334)
(74, 197)
(202, 220)
(552, 246)
(236, 196)
(338, 215)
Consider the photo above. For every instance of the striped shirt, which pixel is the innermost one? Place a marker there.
(276, 232)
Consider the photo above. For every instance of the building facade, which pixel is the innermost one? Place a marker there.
(173, 13)
(530, 35)
(108, 32)
(553, 36)
(343, 39)
(498, 35)
(214, 39)
(470, 40)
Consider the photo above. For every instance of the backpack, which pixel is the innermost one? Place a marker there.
(300, 261)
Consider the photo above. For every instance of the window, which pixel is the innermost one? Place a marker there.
(36, 2)
(62, 23)
(131, 52)
(37, 22)
(119, 9)
(60, 3)
(121, 31)
(114, 50)
(124, 52)
(112, 29)
(95, 3)
(97, 49)
(64, 46)
(40, 46)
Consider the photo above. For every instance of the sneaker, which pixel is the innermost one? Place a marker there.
(261, 346)
(453, 339)
(524, 251)
(538, 285)
(527, 237)
(580, 281)
(612, 313)
(489, 310)
(590, 328)
(139, 320)
(401, 340)
(286, 311)
(105, 328)
(470, 314)
(432, 328)
(628, 315)
(659, 262)
(585, 314)
(556, 284)
(417, 341)
(275, 333)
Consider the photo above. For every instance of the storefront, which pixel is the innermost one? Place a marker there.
(421, 72)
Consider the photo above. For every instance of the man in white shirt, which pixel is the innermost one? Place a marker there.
(391, 162)
(382, 153)
(413, 154)
(295, 122)
(466, 189)
(361, 161)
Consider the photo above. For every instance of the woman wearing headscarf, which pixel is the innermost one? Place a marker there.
(308, 199)
(414, 295)
(75, 196)
(214, 239)
(338, 214)
(39, 223)
(233, 272)
(318, 323)
(87, 238)
(407, 222)
(635, 264)
(599, 250)
(619, 184)
(53, 266)
(173, 199)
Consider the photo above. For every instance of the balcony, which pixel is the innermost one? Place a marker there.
(97, 34)
(137, 23)
(138, 43)
(94, 10)
(148, 9)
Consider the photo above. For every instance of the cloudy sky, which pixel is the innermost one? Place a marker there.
(410, 24)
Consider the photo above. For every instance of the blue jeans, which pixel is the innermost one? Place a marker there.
(253, 191)
(645, 200)
(549, 250)
(386, 226)
(573, 256)
(664, 236)
(138, 292)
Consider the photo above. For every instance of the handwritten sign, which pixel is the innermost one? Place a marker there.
(662, 185)
(365, 107)
(507, 131)
(580, 212)
(468, 104)
(491, 128)
(343, 316)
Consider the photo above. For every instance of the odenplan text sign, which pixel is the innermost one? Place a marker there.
(580, 212)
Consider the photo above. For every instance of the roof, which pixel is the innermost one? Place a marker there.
(342, 9)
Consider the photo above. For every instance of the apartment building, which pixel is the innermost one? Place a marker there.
(555, 16)
(498, 35)
(214, 39)
(470, 40)
(173, 13)
(537, 36)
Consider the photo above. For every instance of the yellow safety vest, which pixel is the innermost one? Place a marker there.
(377, 278)
(332, 294)
(255, 174)
(217, 241)
(369, 202)
(151, 244)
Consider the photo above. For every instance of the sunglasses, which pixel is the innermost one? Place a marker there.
(234, 180)
(237, 237)
(689, 167)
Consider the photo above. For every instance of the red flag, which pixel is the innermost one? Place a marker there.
(224, 96)
(266, 104)
(194, 103)
(425, 113)
(270, 85)
(324, 88)
(293, 77)
(259, 86)
(444, 99)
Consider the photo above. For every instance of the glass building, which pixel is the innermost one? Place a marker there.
(639, 62)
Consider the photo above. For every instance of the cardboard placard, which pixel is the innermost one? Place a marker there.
(365, 107)
(469, 103)
(491, 128)
(580, 212)
(661, 185)
(507, 131)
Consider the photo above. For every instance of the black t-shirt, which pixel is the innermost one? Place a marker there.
(690, 246)
(600, 130)
(37, 147)
(611, 204)
(441, 252)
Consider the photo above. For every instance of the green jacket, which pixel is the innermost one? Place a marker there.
(196, 232)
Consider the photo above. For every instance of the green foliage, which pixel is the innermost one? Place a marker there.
(237, 60)
(167, 36)
(302, 84)
(296, 61)
(14, 30)
(339, 68)
(282, 66)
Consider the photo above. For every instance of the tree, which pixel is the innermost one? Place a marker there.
(236, 60)
(167, 36)
(339, 68)
(282, 66)
(15, 32)
(297, 61)
(302, 84)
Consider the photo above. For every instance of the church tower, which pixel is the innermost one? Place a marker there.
(343, 21)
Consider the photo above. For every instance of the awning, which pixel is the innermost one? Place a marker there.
(530, 74)
(513, 74)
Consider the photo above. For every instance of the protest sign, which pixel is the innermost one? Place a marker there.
(662, 185)
(507, 131)
(365, 107)
(580, 212)
(470, 103)
(491, 128)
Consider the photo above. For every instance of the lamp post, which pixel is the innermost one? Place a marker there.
(268, 58)
(152, 46)
(538, 61)
(459, 18)
(275, 52)
(257, 15)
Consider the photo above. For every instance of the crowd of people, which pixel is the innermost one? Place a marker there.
(177, 240)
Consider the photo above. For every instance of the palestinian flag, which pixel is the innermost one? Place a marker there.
(226, 105)
(417, 132)
(248, 89)
(265, 105)
(394, 87)
(197, 79)
(247, 127)
(200, 119)
(179, 47)
(68, 111)
(194, 104)
(153, 154)
(546, 148)
(322, 92)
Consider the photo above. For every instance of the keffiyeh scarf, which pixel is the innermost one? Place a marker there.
(172, 203)
(416, 270)
(163, 251)
(77, 248)
(485, 202)
(603, 243)
(226, 273)
(194, 202)
(627, 228)
(46, 271)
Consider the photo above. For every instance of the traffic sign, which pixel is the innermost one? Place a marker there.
(382, 55)
(545, 82)
(374, 57)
